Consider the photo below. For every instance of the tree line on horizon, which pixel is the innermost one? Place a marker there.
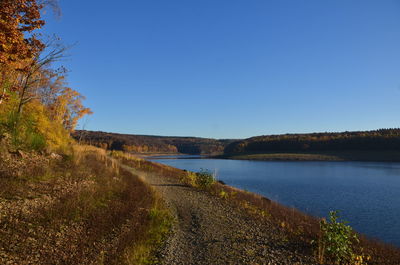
(38, 109)
(377, 140)
(151, 144)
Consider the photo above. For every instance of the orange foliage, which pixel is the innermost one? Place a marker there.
(17, 17)
(27, 80)
(17, 51)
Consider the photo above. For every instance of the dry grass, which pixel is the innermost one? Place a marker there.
(144, 165)
(142, 251)
(77, 210)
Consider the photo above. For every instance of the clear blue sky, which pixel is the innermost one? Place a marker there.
(234, 69)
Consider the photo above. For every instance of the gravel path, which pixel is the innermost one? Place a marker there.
(208, 230)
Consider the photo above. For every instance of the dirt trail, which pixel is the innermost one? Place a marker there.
(208, 230)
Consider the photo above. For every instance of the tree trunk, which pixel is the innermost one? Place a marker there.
(22, 99)
(3, 85)
(3, 94)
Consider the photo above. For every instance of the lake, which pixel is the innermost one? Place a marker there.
(367, 194)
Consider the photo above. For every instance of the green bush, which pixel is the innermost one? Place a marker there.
(24, 132)
(204, 179)
(335, 244)
(36, 141)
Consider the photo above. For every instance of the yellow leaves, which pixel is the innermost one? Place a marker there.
(50, 109)
(361, 259)
(68, 108)
(223, 194)
(34, 122)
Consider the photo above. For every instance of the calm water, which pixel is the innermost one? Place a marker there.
(367, 194)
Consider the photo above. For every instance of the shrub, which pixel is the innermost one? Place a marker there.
(336, 242)
(35, 141)
(189, 178)
(33, 129)
(223, 194)
(204, 179)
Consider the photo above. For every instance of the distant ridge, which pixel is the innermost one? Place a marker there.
(152, 143)
(374, 140)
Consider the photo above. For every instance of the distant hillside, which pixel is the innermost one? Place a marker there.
(378, 140)
(152, 144)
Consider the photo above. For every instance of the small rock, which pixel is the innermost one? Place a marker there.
(20, 154)
(55, 156)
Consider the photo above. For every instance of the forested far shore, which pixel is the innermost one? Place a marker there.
(150, 143)
(368, 145)
(376, 145)
(350, 155)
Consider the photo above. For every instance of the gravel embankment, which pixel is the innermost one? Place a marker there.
(208, 230)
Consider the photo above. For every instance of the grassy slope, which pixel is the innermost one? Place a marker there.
(378, 156)
(76, 210)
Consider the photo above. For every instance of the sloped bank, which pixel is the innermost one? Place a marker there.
(279, 235)
(78, 209)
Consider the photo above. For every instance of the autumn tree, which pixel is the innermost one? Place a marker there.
(67, 108)
(16, 18)
(18, 46)
(22, 53)
(63, 104)
(34, 74)
(29, 82)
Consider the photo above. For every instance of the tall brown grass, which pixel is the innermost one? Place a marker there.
(98, 212)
